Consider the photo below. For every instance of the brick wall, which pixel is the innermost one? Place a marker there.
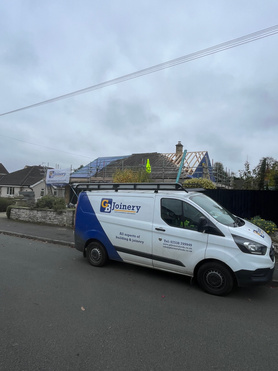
(64, 218)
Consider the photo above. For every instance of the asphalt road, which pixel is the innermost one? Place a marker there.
(59, 313)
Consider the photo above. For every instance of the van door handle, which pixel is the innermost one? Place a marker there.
(160, 229)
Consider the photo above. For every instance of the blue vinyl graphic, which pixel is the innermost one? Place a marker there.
(106, 205)
(88, 227)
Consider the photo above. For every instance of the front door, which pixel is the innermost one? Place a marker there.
(177, 244)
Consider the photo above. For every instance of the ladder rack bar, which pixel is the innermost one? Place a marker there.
(130, 186)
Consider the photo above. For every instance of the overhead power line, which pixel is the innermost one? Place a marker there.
(174, 62)
(40, 145)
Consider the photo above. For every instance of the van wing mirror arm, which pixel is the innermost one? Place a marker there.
(203, 224)
(206, 226)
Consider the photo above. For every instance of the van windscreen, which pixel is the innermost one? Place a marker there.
(218, 212)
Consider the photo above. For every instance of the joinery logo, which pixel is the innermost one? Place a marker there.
(107, 205)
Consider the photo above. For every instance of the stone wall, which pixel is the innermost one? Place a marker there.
(64, 218)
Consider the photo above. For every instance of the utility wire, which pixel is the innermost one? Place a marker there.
(174, 62)
(40, 145)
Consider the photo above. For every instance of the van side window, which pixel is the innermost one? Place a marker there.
(180, 214)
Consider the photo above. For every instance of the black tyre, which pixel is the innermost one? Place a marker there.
(96, 254)
(215, 278)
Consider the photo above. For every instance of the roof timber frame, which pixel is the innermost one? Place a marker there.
(191, 162)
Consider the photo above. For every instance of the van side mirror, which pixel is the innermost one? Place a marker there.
(203, 224)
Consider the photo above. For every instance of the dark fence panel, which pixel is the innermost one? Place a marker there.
(247, 203)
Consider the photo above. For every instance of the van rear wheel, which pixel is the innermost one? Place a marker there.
(96, 254)
(215, 278)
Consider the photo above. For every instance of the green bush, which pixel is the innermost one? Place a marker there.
(59, 204)
(51, 202)
(199, 183)
(46, 202)
(5, 202)
(131, 176)
(268, 226)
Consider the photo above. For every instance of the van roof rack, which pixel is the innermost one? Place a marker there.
(130, 186)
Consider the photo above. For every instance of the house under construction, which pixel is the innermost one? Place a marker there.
(165, 167)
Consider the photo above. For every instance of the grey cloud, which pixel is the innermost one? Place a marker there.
(224, 103)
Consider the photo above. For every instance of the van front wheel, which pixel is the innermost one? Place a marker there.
(96, 254)
(215, 278)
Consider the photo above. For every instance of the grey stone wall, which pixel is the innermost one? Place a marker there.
(64, 218)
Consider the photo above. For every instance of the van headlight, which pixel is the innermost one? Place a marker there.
(249, 247)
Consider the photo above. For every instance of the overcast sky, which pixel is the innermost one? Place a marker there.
(225, 103)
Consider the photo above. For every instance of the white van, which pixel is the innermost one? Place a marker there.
(163, 226)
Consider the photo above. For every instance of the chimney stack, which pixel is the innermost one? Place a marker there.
(179, 148)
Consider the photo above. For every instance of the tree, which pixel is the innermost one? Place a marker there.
(266, 173)
(275, 179)
(246, 176)
(261, 174)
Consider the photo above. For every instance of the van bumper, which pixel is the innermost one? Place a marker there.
(79, 243)
(258, 277)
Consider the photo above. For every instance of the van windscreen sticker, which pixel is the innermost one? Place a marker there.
(107, 205)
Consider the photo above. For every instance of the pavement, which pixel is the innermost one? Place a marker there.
(41, 232)
(54, 234)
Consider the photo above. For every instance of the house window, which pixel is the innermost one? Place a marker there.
(10, 191)
(42, 192)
